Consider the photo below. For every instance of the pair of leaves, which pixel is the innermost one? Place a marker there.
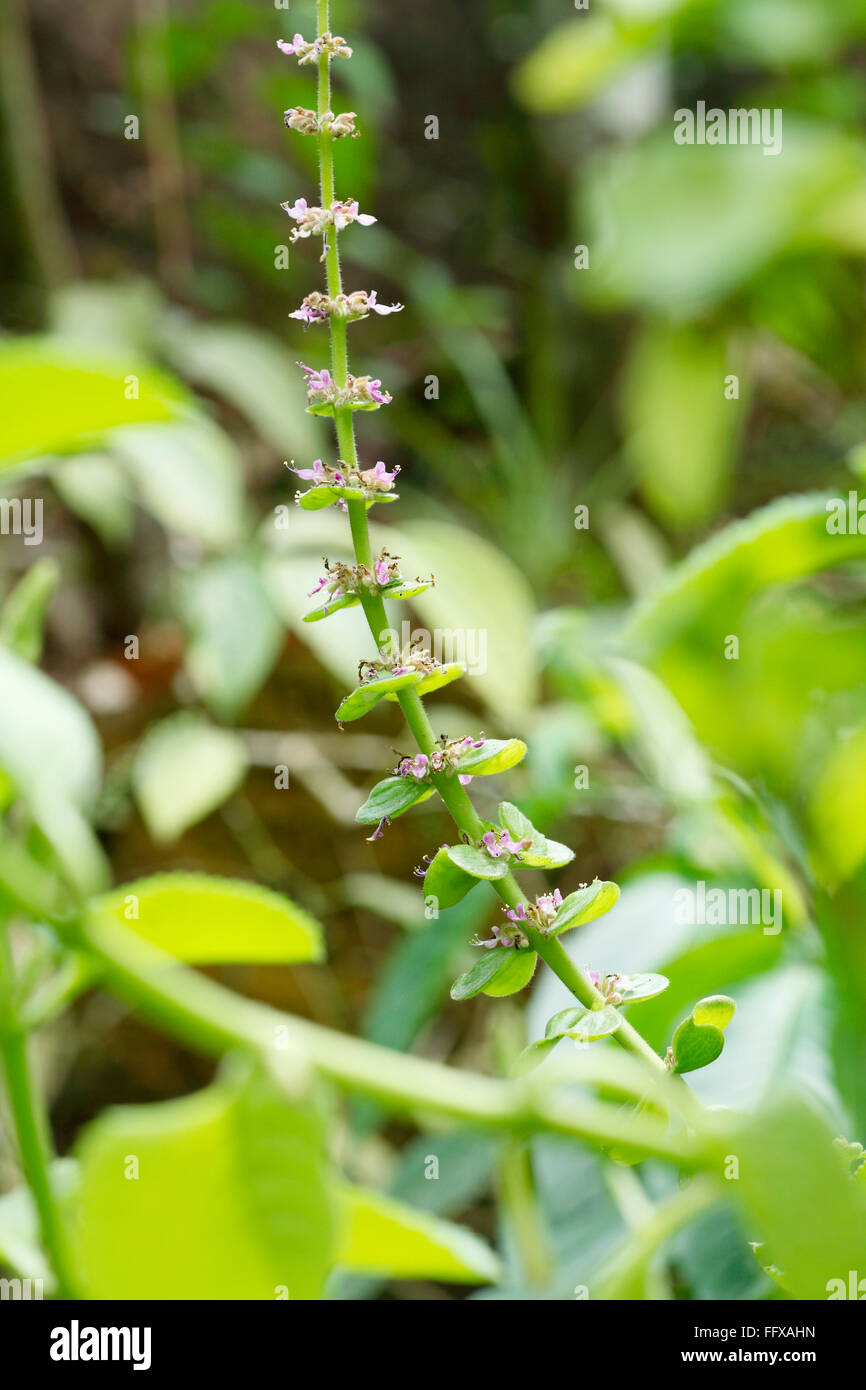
(366, 696)
(542, 853)
(398, 588)
(394, 795)
(326, 494)
(589, 1025)
(699, 1039)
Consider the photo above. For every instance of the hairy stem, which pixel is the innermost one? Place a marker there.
(450, 790)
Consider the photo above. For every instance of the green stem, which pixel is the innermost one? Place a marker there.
(30, 1122)
(450, 790)
(212, 1019)
(520, 1204)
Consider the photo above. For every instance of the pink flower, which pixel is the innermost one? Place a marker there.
(317, 381)
(380, 477)
(496, 845)
(419, 766)
(297, 42)
(316, 474)
(381, 571)
(373, 303)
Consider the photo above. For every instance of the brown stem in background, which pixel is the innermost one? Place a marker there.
(162, 143)
(29, 153)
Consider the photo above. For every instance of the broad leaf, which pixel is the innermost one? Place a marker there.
(495, 755)
(392, 797)
(366, 696)
(476, 862)
(202, 919)
(585, 905)
(234, 634)
(55, 398)
(443, 676)
(499, 972)
(185, 768)
(632, 987)
(444, 881)
(383, 1236)
(224, 1194)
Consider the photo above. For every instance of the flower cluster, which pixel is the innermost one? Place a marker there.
(341, 579)
(306, 122)
(371, 480)
(316, 307)
(498, 843)
(444, 757)
(332, 44)
(359, 393)
(540, 913)
(314, 221)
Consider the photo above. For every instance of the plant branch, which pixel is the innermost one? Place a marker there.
(450, 790)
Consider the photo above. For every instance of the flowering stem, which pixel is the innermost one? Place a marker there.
(450, 790)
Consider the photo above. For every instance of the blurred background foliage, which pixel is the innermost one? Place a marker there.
(172, 583)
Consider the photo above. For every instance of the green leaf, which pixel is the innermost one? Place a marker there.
(681, 428)
(50, 755)
(497, 606)
(542, 853)
(96, 488)
(221, 1195)
(473, 980)
(384, 1236)
(557, 1026)
(595, 1024)
(23, 614)
(518, 825)
(333, 605)
(837, 808)
(366, 696)
(546, 854)
(391, 798)
(189, 476)
(406, 588)
(202, 919)
(676, 229)
(437, 679)
(499, 972)
(795, 1185)
(585, 905)
(184, 768)
(532, 1056)
(573, 63)
(55, 398)
(444, 881)
(716, 1010)
(696, 1046)
(253, 370)
(514, 975)
(234, 634)
(495, 755)
(326, 495)
(474, 861)
(631, 987)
